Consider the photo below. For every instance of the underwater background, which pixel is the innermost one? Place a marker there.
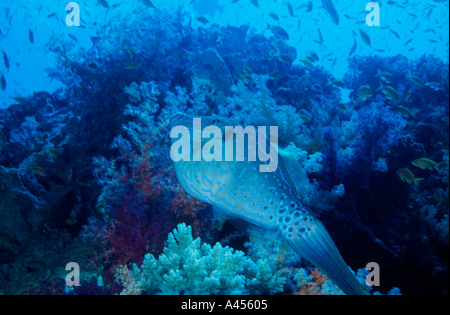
(85, 169)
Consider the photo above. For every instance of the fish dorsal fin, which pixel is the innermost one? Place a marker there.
(294, 170)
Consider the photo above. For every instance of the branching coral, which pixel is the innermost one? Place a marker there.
(188, 267)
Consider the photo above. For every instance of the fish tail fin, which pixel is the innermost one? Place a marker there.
(380, 88)
(418, 180)
(318, 248)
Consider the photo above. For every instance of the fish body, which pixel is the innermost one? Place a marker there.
(285, 58)
(312, 57)
(424, 163)
(5, 59)
(408, 177)
(148, 3)
(276, 74)
(390, 92)
(365, 38)
(103, 3)
(290, 10)
(329, 7)
(237, 189)
(307, 64)
(385, 76)
(405, 111)
(202, 19)
(416, 80)
(38, 170)
(274, 16)
(132, 65)
(434, 85)
(354, 47)
(30, 36)
(279, 32)
(441, 166)
(364, 92)
(2, 82)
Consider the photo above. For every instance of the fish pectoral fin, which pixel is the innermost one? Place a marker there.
(294, 170)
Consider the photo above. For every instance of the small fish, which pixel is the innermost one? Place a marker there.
(329, 7)
(405, 111)
(274, 16)
(202, 19)
(20, 100)
(71, 221)
(38, 170)
(255, 3)
(320, 37)
(417, 81)
(408, 177)
(434, 85)
(303, 117)
(73, 37)
(364, 92)
(5, 59)
(441, 166)
(424, 163)
(2, 82)
(285, 58)
(365, 38)
(103, 3)
(307, 64)
(279, 32)
(395, 34)
(290, 10)
(277, 74)
(132, 65)
(385, 76)
(408, 42)
(312, 57)
(336, 83)
(52, 152)
(130, 51)
(355, 45)
(148, 3)
(30, 36)
(389, 92)
(342, 106)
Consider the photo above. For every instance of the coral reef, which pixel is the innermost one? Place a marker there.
(188, 267)
(85, 171)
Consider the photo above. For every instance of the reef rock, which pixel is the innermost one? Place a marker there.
(21, 197)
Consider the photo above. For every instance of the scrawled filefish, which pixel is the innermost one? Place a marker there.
(238, 189)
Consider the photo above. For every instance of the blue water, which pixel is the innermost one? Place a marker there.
(84, 133)
(425, 23)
